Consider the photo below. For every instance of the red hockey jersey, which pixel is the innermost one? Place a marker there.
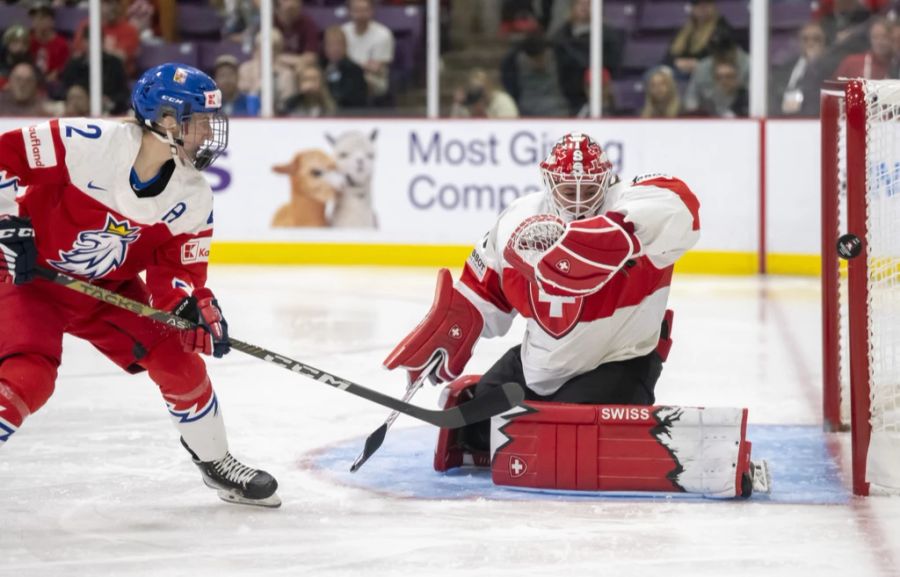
(72, 178)
(568, 336)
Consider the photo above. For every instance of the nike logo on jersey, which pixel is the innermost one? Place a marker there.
(93, 186)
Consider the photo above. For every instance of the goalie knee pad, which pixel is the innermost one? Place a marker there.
(450, 451)
(623, 448)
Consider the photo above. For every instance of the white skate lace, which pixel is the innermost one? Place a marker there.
(234, 471)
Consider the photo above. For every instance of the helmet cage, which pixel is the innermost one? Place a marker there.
(576, 195)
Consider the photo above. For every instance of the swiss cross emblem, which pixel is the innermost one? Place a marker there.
(563, 265)
(517, 467)
(455, 332)
(557, 315)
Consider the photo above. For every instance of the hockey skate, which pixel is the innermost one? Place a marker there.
(236, 482)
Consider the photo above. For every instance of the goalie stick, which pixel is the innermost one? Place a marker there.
(374, 440)
(495, 402)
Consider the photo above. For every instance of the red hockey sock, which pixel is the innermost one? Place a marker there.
(26, 382)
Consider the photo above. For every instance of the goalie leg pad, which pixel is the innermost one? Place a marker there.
(622, 448)
(449, 452)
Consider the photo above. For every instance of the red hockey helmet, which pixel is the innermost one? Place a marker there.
(576, 174)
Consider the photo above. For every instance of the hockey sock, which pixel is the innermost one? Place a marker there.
(26, 382)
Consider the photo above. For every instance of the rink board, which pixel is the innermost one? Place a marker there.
(801, 460)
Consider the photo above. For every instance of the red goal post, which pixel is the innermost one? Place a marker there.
(860, 171)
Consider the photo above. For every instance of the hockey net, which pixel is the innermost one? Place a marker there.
(861, 303)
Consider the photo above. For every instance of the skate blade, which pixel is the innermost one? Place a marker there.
(273, 501)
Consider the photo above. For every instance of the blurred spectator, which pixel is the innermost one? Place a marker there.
(345, 78)
(120, 37)
(301, 35)
(529, 75)
(703, 86)
(78, 102)
(14, 50)
(240, 21)
(518, 19)
(661, 98)
(234, 102)
(895, 43)
(608, 97)
(22, 96)
(729, 97)
(479, 98)
(313, 100)
(573, 49)
(874, 64)
(798, 80)
(371, 45)
(843, 17)
(142, 14)
(692, 43)
(250, 73)
(116, 95)
(49, 50)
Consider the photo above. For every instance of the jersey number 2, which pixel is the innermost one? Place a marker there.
(94, 131)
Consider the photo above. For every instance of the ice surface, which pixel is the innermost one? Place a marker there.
(96, 483)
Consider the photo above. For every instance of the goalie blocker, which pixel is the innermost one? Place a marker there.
(564, 446)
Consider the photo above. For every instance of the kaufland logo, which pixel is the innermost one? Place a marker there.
(193, 251)
(35, 142)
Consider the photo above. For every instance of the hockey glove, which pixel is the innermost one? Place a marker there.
(17, 249)
(211, 335)
(450, 330)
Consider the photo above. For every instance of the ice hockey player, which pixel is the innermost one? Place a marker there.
(106, 201)
(588, 263)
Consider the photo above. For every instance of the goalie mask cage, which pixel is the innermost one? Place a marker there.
(861, 306)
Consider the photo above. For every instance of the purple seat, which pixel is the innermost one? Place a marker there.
(737, 12)
(629, 95)
(153, 54)
(199, 22)
(662, 16)
(620, 15)
(68, 18)
(208, 51)
(782, 48)
(789, 15)
(11, 14)
(325, 16)
(641, 54)
(402, 20)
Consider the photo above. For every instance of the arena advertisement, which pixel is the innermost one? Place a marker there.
(421, 182)
(444, 182)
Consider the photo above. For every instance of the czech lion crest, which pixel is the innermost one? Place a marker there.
(97, 253)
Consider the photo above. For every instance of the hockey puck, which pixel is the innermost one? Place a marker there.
(849, 246)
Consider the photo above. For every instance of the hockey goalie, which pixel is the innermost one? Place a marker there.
(588, 262)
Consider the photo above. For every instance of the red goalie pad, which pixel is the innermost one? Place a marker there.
(623, 448)
(451, 329)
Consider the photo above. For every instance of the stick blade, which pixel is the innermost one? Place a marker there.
(495, 401)
(373, 442)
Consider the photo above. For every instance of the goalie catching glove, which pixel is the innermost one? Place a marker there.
(583, 257)
(210, 337)
(450, 330)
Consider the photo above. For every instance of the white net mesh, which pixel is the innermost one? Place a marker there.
(535, 236)
(883, 243)
(844, 324)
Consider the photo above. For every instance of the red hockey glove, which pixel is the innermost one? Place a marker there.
(18, 254)
(211, 335)
(450, 330)
(583, 259)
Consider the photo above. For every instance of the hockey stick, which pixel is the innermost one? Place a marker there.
(374, 440)
(495, 402)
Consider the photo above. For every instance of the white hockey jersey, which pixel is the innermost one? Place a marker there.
(89, 223)
(568, 336)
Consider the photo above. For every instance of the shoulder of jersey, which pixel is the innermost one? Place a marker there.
(99, 136)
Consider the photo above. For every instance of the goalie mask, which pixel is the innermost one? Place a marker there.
(576, 175)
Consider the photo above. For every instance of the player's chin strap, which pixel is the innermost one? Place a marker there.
(166, 137)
